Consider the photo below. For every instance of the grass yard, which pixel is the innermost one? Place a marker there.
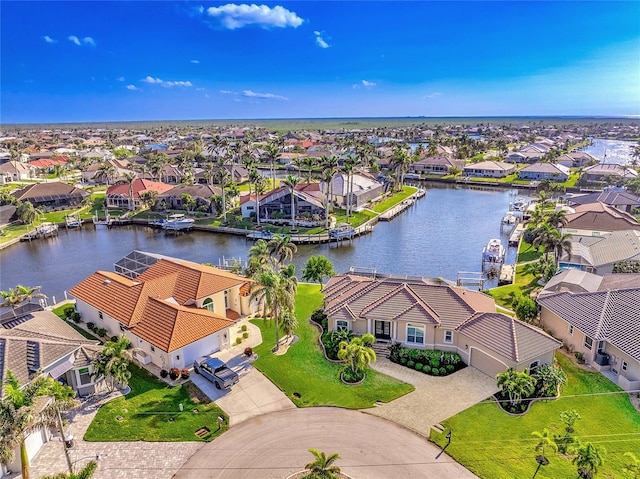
(356, 218)
(146, 412)
(394, 199)
(304, 370)
(494, 445)
(527, 252)
(524, 284)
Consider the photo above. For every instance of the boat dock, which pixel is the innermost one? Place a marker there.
(315, 238)
(45, 230)
(514, 239)
(400, 207)
(468, 279)
(507, 274)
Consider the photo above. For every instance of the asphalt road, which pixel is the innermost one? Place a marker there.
(274, 445)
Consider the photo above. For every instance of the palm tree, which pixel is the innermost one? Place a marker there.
(516, 384)
(282, 248)
(588, 457)
(309, 162)
(85, 473)
(113, 362)
(357, 352)
(545, 441)
(29, 293)
(259, 186)
(322, 467)
(290, 182)
(399, 164)
(329, 166)
(265, 290)
(21, 413)
(27, 212)
(223, 175)
(129, 178)
(289, 322)
(272, 153)
(10, 299)
(105, 172)
(348, 165)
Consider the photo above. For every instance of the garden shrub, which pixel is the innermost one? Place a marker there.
(394, 351)
(102, 332)
(548, 377)
(351, 376)
(331, 341)
(243, 328)
(443, 371)
(434, 363)
(75, 317)
(450, 368)
(426, 369)
(403, 361)
(419, 366)
(113, 339)
(91, 326)
(245, 335)
(411, 363)
(238, 340)
(435, 372)
(320, 318)
(68, 311)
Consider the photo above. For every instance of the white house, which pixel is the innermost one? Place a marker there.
(492, 169)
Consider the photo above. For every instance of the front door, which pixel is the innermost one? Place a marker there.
(382, 330)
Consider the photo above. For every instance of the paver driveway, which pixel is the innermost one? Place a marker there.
(276, 445)
(435, 398)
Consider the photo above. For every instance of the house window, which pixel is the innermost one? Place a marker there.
(85, 376)
(534, 366)
(625, 365)
(153, 350)
(571, 329)
(342, 326)
(415, 335)
(448, 336)
(208, 304)
(122, 327)
(100, 314)
(177, 358)
(588, 343)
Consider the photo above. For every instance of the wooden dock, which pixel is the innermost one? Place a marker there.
(400, 207)
(516, 235)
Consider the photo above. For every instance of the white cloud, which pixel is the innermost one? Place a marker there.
(226, 92)
(132, 88)
(167, 84)
(234, 16)
(120, 78)
(368, 84)
(268, 96)
(195, 61)
(86, 40)
(74, 39)
(48, 39)
(321, 42)
(89, 41)
(432, 95)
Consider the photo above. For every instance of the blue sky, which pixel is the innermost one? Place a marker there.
(115, 61)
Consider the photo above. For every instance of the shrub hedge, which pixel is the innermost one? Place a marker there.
(434, 362)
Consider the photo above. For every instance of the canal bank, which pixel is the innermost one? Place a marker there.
(438, 237)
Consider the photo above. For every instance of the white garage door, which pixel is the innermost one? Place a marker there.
(485, 363)
(203, 347)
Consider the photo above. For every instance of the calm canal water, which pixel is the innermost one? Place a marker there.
(611, 151)
(442, 234)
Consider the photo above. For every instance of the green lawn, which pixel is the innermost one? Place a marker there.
(524, 284)
(494, 445)
(59, 311)
(356, 218)
(304, 370)
(146, 412)
(527, 252)
(394, 199)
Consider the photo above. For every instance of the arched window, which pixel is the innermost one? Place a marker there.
(208, 304)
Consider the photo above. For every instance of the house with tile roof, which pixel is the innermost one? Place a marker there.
(620, 199)
(594, 219)
(364, 187)
(599, 253)
(601, 170)
(490, 169)
(117, 195)
(16, 171)
(420, 313)
(602, 325)
(173, 310)
(544, 171)
(576, 281)
(435, 165)
(275, 205)
(52, 195)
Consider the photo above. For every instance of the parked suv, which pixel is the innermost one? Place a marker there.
(215, 371)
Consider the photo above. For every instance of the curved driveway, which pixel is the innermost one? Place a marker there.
(275, 445)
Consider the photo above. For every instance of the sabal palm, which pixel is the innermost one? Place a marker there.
(222, 177)
(357, 352)
(588, 458)
(322, 467)
(291, 182)
(282, 248)
(113, 361)
(265, 289)
(329, 169)
(272, 152)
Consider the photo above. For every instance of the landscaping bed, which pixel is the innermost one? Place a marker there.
(429, 361)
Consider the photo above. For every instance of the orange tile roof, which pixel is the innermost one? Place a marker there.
(139, 186)
(170, 326)
(153, 304)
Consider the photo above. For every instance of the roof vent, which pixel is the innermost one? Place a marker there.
(107, 281)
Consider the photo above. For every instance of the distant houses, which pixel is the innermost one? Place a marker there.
(489, 169)
(52, 195)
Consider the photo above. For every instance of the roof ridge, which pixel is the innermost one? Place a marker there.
(382, 298)
(360, 293)
(425, 305)
(515, 339)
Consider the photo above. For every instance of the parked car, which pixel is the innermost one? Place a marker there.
(215, 371)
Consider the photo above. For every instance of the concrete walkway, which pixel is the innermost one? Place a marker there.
(434, 399)
(276, 445)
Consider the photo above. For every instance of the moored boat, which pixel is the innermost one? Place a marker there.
(72, 221)
(494, 252)
(177, 222)
(342, 231)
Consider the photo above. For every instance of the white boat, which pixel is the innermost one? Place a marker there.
(178, 222)
(510, 218)
(493, 252)
(519, 204)
(72, 221)
(341, 231)
(47, 229)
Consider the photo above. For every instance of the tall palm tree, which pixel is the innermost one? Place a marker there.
(260, 186)
(399, 163)
(21, 413)
(29, 293)
(329, 166)
(265, 290)
(129, 178)
(588, 458)
(272, 152)
(282, 248)
(259, 256)
(113, 362)
(322, 467)
(545, 442)
(309, 162)
(222, 175)
(291, 182)
(106, 172)
(348, 165)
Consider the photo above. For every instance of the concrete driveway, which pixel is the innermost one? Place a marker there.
(253, 395)
(435, 398)
(276, 445)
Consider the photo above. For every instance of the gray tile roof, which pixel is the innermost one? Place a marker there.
(612, 316)
(509, 337)
(598, 251)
